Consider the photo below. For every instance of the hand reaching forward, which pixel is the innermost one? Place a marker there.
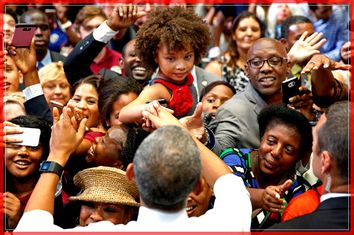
(124, 15)
(271, 198)
(321, 61)
(67, 134)
(194, 123)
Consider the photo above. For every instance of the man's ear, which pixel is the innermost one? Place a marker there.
(121, 62)
(326, 162)
(130, 172)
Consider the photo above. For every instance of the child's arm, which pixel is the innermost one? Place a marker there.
(132, 112)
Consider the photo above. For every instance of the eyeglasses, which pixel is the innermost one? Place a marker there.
(258, 63)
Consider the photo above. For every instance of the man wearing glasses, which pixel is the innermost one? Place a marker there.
(236, 121)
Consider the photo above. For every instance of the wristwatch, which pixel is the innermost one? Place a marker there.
(51, 167)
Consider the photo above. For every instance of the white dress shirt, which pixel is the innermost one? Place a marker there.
(232, 212)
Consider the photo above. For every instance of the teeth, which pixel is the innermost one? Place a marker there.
(22, 163)
(268, 79)
(189, 208)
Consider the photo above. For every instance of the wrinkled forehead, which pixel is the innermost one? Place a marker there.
(266, 47)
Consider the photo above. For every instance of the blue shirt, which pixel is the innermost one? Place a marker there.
(335, 30)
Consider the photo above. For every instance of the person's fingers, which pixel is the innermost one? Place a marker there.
(154, 119)
(82, 127)
(130, 10)
(310, 37)
(315, 37)
(319, 44)
(286, 185)
(198, 111)
(303, 36)
(56, 115)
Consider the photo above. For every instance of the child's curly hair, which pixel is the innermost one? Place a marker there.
(176, 27)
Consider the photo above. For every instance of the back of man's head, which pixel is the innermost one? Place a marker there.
(167, 167)
(333, 137)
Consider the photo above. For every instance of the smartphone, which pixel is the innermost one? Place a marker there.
(162, 102)
(30, 136)
(290, 88)
(23, 35)
(58, 105)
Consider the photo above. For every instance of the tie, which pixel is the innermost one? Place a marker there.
(40, 65)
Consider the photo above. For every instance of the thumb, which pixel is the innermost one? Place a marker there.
(150, 116)
(56, 115)
(82, 127)
(286, 185)
(198, 111)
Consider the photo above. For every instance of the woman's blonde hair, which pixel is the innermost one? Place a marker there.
(51, 72)
(15, 97)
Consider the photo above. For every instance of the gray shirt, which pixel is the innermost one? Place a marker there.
(235, 124)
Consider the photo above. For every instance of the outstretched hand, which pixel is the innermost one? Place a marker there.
(319, 61)
(271, 199)
(305, 47)
(67, 134)
(124, 15)
(194, 123)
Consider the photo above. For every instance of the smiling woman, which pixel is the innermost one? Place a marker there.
(286, 139)
(22, 170)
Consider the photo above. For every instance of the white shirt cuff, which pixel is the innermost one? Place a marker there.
(104, 33)
(33, 91)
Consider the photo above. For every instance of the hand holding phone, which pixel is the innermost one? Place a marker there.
(23, 35)
(29, 136)
(290, 88)
(58, 105)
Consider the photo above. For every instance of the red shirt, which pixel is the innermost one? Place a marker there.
(110, 59)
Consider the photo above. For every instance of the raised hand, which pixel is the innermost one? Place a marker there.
(271, 198)
(67, 134)
(124, 15)
(25, 58)
(305, 47)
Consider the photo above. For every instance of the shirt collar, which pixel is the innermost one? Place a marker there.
(149, 215)
(333, 195)
(46, 60)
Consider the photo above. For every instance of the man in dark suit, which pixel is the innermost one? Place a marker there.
(41, 37)
(331, 165)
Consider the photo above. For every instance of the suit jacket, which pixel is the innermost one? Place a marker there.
(77, 64)
(235, 124)
(38, 106)
(204, 78)
(331, 214)
(55, 56)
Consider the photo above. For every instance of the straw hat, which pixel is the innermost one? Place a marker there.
(106, 185)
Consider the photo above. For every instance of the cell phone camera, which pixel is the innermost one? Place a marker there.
(291, 84)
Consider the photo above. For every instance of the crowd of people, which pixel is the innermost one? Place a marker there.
(174, 118)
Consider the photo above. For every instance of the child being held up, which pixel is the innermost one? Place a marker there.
(172, 40)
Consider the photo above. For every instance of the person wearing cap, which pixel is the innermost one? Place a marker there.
(106, 195)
